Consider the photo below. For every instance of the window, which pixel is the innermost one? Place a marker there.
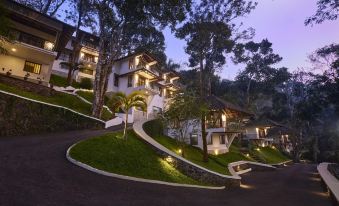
(64, 66)
(88, 57)
(141, 81)
(131, 63)
(116, 80)
(222, 139)
(86, 71)
(32, 67)
(31, 40)
(129, 81)
(194, 139)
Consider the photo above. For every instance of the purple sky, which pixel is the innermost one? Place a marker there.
(282, 22)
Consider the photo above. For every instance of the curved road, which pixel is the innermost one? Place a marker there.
(34, 171)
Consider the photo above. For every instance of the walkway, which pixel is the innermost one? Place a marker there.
(34, 171)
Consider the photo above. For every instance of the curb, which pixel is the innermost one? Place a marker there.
(233, 164)
(136, 179)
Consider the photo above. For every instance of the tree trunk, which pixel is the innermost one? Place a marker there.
(125, 128)
(248, 93)
(202, 120)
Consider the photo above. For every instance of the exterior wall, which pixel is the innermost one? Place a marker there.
(251, 133)
(16, 65)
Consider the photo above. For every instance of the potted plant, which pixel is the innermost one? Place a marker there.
(26, 76)
(9, 72)
(39, 80)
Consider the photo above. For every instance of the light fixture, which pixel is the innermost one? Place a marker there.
(258, 149)
(247, 155)
(179, 151)
(82, 55)
(96, 59)
(216, 152)
(169, 159)
(13, 49)
(49, 45)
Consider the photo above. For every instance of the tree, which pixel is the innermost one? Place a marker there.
(115, 20)
(83, 15)
(49, 7)
(125, 102)
(208, 35)
(4, 29)
(183, 114)
(327, 10)
(172, 66)
(259, 58)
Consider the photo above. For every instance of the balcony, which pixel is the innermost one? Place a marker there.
(148, 89)
(224, 127)
(31, 40)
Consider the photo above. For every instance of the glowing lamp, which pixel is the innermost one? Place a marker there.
(13, 49)
(169, 159)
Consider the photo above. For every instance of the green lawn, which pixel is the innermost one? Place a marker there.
(270, 155)
(61, 99)
(89, 96)
(61, 81)
(132, 158)
(217, 163)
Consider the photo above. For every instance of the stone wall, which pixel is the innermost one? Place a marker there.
(195, 172)
(19, 116)
(28, 86)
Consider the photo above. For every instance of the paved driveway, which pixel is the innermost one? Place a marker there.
(34, 171)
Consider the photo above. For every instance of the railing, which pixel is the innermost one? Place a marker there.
(32, 40)
(229, 126)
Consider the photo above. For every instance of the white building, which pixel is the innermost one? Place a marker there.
(38, 40)
(224, 123)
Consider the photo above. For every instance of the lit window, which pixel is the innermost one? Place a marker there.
(32, 67)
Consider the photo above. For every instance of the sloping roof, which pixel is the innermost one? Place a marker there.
(262, 122)
(218, 104)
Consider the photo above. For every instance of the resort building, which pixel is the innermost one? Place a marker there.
(87, 58)
(37, 40)
(224, 123)
(141, 72)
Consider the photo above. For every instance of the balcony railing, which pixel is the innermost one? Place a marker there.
(32, 40)
(229, 126)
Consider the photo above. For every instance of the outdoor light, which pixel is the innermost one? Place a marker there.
(263, 144)
(82, 55)
(96, 59)
(48, 45)
(258, 149)
(216, 152)
(169, 159)
(13, 49)
(179, 151)
(273, 147)
(247, 155)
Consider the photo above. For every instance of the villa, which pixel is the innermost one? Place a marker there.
(224, 123)
(37, 41)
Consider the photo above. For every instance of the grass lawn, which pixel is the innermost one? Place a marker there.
(62, 81)
(216, 163)
(89, 96)
(132, 158)
(61, 99)
(270, 155)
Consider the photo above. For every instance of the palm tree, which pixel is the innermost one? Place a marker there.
(125, 102)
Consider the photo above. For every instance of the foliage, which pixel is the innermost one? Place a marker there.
(132, 158)
(88, 95)
(61, 81)
(327, 10)
(4, 29)
(120, 100)
(86, 83)
(269, 155)
(49, 7)
(183, 114)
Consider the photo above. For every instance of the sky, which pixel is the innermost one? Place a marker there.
(282, 23)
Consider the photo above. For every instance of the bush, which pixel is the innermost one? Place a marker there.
(86, 83)
(154, 128)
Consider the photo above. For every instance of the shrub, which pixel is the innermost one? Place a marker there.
(154, 128)
(86, 83)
